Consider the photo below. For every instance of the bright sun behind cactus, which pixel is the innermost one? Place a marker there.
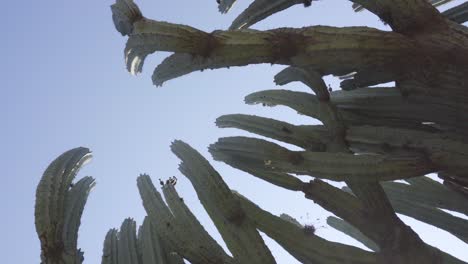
(370, 137)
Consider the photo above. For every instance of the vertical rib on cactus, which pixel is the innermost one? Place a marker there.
(127, 243)
(110, 252)
(74, 205)
(239, 233)
(59, 207)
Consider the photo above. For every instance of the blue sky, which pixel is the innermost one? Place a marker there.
(65, 85)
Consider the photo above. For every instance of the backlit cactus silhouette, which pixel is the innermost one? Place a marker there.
(370, 137)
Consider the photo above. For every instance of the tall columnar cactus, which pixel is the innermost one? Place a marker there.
(370, 137)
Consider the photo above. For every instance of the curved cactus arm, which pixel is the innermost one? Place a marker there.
(261, 9)
(446, 153)
(334, 166)
(303, 103)
(304, 246)
(310, 78)
(458, 14)
(428, 192)
(433, 216)
(348, 229)
(239, 233)
(184, 216)
(51, 209)
(308, 104)
(124, 14)
(225, 5)
(110, 252)
(75, 202)
(176, 232)
(127, 251)
(313, 138)
(387, 103)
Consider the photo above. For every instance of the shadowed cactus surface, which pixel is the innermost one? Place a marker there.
(369, 138)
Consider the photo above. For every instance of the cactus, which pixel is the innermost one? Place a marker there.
(59, 206)
(369, 138)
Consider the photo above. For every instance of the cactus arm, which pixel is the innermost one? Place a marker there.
(326, 49)
(313, 138)
(175, 231)
(53, 219)
(127, 243)
(152, 248)
(348, 229)
(308, 104)
(404, 16)
(445, 152)
(261, 9)
(74, 205)
(310, 78)
(387, 103)
(307, 248)
(458, 14)
(124, 14)
(240, 235)
(110, 250)
(427, 192)
(225, 5)
(183, 215)
(303, 103)
(333, 166)
(433, 216)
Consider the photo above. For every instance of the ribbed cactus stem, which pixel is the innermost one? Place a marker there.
(127, 243)
(334, 166)
(428, 192)
(239, 233)
(59, 206)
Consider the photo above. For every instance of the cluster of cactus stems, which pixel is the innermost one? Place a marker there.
(369, 138)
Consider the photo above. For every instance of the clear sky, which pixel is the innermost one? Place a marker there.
(64, 85)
